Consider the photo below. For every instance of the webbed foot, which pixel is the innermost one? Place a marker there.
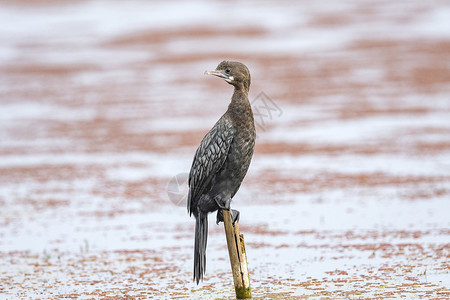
(223, 203)
(235, 214)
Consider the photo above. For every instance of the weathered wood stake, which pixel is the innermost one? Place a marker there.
(238, 257)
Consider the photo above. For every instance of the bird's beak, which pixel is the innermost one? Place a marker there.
(217, 73)
(220, 74)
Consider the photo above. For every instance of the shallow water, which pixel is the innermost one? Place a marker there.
(104, 103)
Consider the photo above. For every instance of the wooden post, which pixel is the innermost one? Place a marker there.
(238, 257)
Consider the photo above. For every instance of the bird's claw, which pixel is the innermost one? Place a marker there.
(223, 204)
(235, 214)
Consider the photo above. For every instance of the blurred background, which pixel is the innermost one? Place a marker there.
(103, 103)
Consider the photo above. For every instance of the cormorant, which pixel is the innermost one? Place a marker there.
(222, 159)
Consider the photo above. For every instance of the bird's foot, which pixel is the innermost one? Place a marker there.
(235, 214)
(223, 203)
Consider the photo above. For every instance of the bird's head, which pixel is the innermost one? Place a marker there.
(233, 72)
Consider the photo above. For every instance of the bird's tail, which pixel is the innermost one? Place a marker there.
(201, 237)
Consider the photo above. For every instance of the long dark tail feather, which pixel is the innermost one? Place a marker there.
(201, 237)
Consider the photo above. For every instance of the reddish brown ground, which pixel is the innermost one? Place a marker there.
(71, 124)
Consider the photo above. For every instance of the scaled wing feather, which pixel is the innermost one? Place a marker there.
(208, 159)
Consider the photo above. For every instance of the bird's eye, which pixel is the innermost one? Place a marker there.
(227, 71)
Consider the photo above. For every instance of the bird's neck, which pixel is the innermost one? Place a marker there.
(240, 108)
(239, 94)
(240, 98)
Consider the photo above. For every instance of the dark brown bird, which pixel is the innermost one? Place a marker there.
(222, 160)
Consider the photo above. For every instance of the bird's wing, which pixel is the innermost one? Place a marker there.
(209, 158)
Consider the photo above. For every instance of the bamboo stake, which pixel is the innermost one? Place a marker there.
(238, 257)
